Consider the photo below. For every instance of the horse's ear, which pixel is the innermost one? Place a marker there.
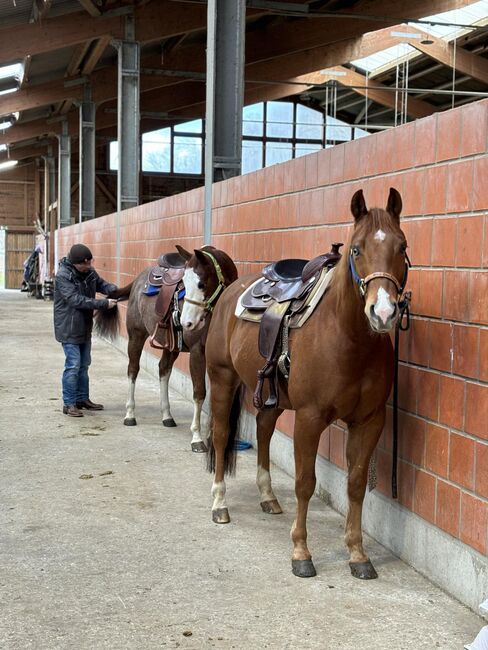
(358, 205)
(394, 205)
(183, 252)
(201, 257)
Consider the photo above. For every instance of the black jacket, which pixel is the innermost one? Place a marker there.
(74, 302)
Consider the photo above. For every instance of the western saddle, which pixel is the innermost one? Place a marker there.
(283, 298)
(166, 280)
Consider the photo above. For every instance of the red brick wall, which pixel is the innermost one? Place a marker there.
(440, 166)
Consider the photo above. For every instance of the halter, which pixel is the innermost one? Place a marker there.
(207, 304)
(363, 282)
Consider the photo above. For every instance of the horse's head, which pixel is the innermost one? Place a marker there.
(378, 260)
(208, 272)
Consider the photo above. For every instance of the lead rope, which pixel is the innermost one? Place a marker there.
(403, 324)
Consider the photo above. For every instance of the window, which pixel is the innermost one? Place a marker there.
(156, 151)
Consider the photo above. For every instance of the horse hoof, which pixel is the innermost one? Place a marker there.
(303, 568)
(130, 422)
(199, 447)
(220, 516)
(169, 422)
(271, 507)
(363, 570)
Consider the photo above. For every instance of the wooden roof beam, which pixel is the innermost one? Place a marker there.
(153, 22)
(452, 56)
(378, 93)
(90, 7)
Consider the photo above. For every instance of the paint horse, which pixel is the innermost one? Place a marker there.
(341, 367)
(208, 271)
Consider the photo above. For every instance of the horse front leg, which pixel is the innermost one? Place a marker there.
(197, 372)
(362, 440)
(223, 394)
(308, 427)
(265, 424)
(134, 349)
(165, 367)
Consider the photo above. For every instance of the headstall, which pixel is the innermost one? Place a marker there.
(208, 303)
(363, 282)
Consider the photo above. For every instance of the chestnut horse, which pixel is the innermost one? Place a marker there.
(341, 367)
(208, 271)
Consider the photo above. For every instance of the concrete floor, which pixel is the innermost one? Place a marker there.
(129, 558)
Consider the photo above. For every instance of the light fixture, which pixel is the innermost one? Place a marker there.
(8, 164)
(8, 121)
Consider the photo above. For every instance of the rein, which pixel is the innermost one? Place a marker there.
(402, 324)
(208, 303)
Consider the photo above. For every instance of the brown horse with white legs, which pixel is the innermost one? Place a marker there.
(341, 367)
(208, 271)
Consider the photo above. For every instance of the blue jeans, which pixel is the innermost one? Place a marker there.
(75, 375)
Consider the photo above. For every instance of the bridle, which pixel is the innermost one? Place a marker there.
(402, 324)
(363, 282)
(208, 304)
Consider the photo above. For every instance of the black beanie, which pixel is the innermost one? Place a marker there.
(79, 253)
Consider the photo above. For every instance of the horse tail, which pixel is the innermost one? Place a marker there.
(230, 455)
(107, 320)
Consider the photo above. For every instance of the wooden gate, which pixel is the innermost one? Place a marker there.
(19, 246)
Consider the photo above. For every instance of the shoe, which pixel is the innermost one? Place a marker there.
(73, 411)
(89, 405)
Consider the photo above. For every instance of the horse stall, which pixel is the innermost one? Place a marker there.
(439, 164)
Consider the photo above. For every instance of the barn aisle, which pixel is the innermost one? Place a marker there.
(107, 540)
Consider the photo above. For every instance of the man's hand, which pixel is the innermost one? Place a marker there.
(111, 303)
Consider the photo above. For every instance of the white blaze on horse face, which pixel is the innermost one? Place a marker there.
(192, 316)
(380, 235)
(383, 307)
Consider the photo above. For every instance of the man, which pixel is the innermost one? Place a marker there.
(75, 286)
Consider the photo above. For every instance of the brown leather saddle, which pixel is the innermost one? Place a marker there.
(167, 276)
(282, 293)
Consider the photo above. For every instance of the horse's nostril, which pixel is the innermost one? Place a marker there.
(188, 324)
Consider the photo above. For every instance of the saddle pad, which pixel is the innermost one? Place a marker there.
(151, 290)
(299, 318)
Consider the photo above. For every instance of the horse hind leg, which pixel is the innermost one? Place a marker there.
(225, 404)
(265, 423)
(134, 350)
(165, 367)
(362, 440)
(197, 371)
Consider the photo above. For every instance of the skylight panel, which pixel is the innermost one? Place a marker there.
(470, 15)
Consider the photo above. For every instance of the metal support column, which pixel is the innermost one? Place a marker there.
(64, 178)
(128, 119)
(49, 226)
(226, 22)
(87, 157)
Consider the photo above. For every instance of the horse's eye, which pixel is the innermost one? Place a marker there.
(200, 285)
(404, 247)
(355, 251)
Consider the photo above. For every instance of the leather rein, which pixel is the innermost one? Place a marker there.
(402, 324)
(208, 304)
